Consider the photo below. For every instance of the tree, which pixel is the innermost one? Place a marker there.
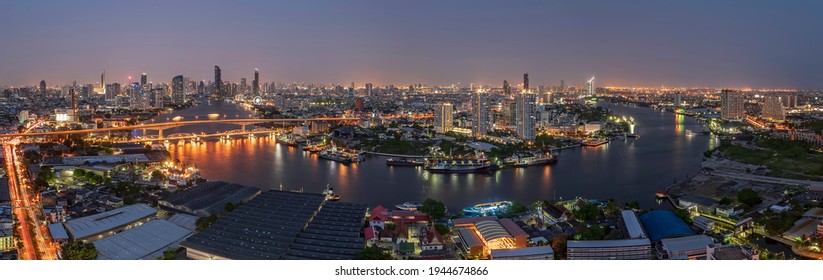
(205, 222)
(725, 201)
(442, 229)
(77, 250)
(157, 176)
(612, 207)
(168, 254)
(373, 253)
(435, 209)
(684, 215)
(79, 173)
(749, 197)
(588, 212)
(634, 205)
(229, 207)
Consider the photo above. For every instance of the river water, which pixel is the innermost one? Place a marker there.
(630, 170)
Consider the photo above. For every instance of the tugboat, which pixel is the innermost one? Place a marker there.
(404, 162)
(330, 195)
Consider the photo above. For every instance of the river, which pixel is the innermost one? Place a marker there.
(630, 170)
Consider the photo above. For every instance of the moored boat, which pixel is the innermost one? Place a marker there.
(459, 166)
(404, 162)
(488, 209)
(409, 205)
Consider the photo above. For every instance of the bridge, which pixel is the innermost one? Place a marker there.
(167, 125)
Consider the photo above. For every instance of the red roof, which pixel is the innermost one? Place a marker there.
(404, 216)
(370, 233)
(433, 237)
(378, 214)
(512, 228)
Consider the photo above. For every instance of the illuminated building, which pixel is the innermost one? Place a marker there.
(677, 100)
(256, 82)
(103, 83)
(731, 105)
(481, 235)
(480, 114)
(525, 81)
(526, 117)
(358, 104)
(369, 88)
(507, 89)
(144, 79)
(178, 94)
(790, 100)
(591, 86)
(773, 109)
(218, 82)
(43, 87)
(621, 249)
(443, 117)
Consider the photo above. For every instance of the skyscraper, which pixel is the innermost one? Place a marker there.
(358, 104)
(480, 114)
(369, 87)
(256, 82)
(43, 87)
(731, 105)
(178, 93)
(591, 86)
(526, 117)
(773, 109)
(443, 117)
(677, 100)
(507, 89)
(103, 84)
(790, 100)
(144, 79)
(218, 83)
(562, 85)
(73, 101)
(243, 85)
(526, 81)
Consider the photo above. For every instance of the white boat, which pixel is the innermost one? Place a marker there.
(410, 205)
(488, 209)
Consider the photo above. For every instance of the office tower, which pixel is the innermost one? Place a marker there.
(256, 82)
(103, 83)
(201, 87)
(243, 85)
(507, 89)
(677, 100)
(562, 85)
(526, 82)
(43, 87)
(73, 100)
(731, 105)
(178, 93)
(591, 86)
(144, 79)
(526, 117)
(443, 117)
(773, 108)
(508, 112)
(156, 97)
(218, 83)
(369, 87)
(136, 96)
(480, 116)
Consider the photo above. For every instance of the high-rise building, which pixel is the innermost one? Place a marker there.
(790, 100)
(443, 117)
(773, 108)
(731, 105)
(358, 104)
(526, 81)
(562, 85)
(480, 114)
(218, 83)
(156, 97)
(526, 115)
(591, 86)
(369, 87)
(508, 112)
(103, 83)
(144, 79)
(43, 87)
(178, 92)
(677, 100)
(73, 101)
(243, 85)
(507, 89)
(256, 82)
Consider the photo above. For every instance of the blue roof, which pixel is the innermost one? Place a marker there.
(664, 224)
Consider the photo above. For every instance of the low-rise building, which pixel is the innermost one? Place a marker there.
(94, 227)
(528, 253)
(703, 223)
(684, 248)
(624, 249)
(731, 252)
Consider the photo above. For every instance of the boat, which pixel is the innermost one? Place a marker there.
(334, 155)
(632, 136)
(488, 209)
(530, 160)
(590, 142)
(690, 133)
(330, 195)
(459, 166)
(410, 205)
(661, 195)
(286, 139)
(404, 162)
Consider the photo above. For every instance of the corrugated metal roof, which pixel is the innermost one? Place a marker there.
(664, 224)
(147, 241)
(608, 243)
(102, 222)
(633, 226)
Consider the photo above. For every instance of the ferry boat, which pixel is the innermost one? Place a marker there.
(488, 209)
(459, 166)
(335, 155)
(330, 195)
(404, 162)
(286, 139)
(530, 160)
(590, 142)
(409, 205)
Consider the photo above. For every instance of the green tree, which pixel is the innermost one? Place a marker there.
(435, 209)
(684, 215)
(725, 201)
(168, 254)
(77, 250)
(588, 212)
(749, 197)
(79, 173)
(612, 207)
(157, 175)
(229, 207)
(442, 229)
(634, 205)
(373, 253)
(205, 222)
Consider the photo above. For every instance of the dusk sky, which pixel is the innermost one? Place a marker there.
(643, 43)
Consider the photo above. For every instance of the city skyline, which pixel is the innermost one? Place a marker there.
(661, 44)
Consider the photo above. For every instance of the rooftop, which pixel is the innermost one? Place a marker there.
(102, 222)
(664, 224)
(608, 243)
(209, 197)
(686, 243)
(633, 227)
(147, 241)
(57, 231)
(333, 234)
(528, 251)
